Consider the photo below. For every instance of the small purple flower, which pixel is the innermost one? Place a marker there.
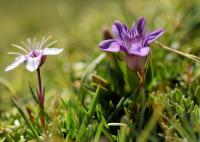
(35, 54)
(134, 42)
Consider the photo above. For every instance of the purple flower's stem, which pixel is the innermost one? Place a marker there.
(142, 78)
(188, 73)
(41, 98)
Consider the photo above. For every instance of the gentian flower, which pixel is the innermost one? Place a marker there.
(34, 54)
(134, 42)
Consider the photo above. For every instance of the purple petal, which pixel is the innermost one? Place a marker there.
(109, 45)
(126, 33)
(154, 35)
(140, 25)
(145, 41)
(145, 51)
(117, 29)
(32, 63)
(134, 30)
(126, 30)
(16, 63)
(140, 51)
(52, 51)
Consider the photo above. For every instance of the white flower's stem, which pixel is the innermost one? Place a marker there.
(41, 98)
(39, 81)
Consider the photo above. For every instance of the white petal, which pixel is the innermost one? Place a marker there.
(16, 63)
(52, 51)
(33, 63)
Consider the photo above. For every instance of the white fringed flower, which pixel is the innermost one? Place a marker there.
(35, 53)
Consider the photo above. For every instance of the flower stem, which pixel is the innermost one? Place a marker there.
(41, 98)
(39, 80)
(188, 73)
(141, 75)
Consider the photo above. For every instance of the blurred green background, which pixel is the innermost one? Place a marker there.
(77, 25)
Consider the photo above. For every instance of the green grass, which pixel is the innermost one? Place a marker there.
(93, 96)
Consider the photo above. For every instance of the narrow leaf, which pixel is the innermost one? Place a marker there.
(33, 94)
(93, 104)
(28, 122)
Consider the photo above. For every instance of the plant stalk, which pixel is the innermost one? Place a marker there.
(41, 97)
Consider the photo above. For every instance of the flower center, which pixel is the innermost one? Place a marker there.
(34, 53)
(135, 43)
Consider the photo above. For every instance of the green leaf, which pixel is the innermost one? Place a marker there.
(26, 119)
(91, 67)
(7, 85)
(2, 139)
(144, 136)
(197, 94)
(179, 110)
(93, 103)
(149, 76)
(99, 131)
(191, 107)
(178, 95)
(33, 94)
(130, 76)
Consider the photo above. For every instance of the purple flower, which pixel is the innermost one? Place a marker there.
(134, 42)
(34, 54)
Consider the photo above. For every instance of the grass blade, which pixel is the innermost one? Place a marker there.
(7, 85)
(143, 137)
(28, 122)
(99, 131)
(190, 56)
(33, 94)
(93, 104)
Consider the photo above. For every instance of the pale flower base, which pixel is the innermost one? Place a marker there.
(135, 62)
